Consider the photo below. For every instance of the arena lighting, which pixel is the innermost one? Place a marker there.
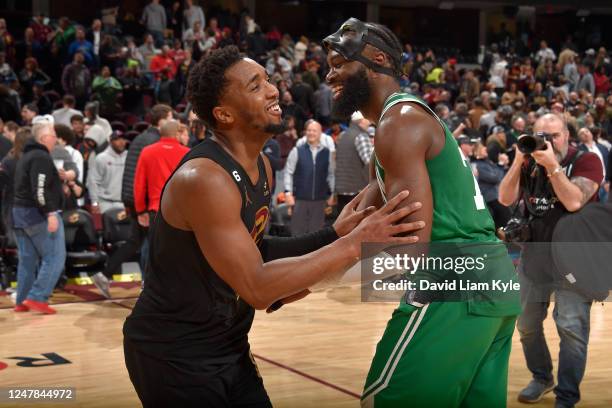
(446, 5)
(583, 13)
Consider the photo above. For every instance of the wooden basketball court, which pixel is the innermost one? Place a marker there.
(314, 353)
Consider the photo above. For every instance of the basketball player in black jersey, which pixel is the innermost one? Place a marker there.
(209, 267)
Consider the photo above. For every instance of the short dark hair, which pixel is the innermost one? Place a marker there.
(32, 107)
(207, 82)
(68, 100)
(159, 112)
(76, 118)
(64, 132)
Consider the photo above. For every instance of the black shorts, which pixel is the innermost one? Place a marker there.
(160, 383)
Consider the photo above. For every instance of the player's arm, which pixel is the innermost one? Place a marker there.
(214, 217)
(404, 139)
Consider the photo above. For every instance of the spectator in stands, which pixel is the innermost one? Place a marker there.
(602, 81)
(28, 112)
(93, 117)
(63, 35)
(469, 86)
(42, 31)
(586, 81)
(107, 89)
(155, 165)
(309, 181)
(31, 74)
(163, 63)
(175, 19)
(148, 50)
(589, 144)
(94, 143)
(76, 80)
(7, 137)
(9, 104)
(276, 63)
(66, 139)
(66, 112)
(7, 74)
(7, 179)
(78, 127)
(193, 35)
(40, 99)
(294, 110)
(94, 36)
(134, 84)
(353, 154)
(193, 14)
(545, 53)
(303, 94)
(83, 46)
(106, 174)
(38, 225)
(7, 41)
(154, 19)
(489, 174)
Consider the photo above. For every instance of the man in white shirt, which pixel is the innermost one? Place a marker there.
(93, 118)
(63, 115)
(545, 52)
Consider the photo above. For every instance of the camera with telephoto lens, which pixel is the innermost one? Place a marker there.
(528, 144)
(517, 230)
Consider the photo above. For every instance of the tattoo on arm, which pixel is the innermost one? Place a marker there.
(587, 186)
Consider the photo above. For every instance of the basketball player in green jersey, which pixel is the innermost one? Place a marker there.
(433, 354)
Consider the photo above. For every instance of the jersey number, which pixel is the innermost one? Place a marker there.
(478, 198)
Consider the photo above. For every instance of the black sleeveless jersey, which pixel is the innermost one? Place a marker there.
(186, 312)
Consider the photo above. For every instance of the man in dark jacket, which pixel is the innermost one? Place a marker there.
(38, 224)
(159, 114)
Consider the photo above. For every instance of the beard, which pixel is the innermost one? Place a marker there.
(276, 129)
(354, 95)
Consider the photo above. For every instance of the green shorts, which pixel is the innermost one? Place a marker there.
(441, 356)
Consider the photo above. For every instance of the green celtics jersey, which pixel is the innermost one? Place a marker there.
(461, 223)
(459, 211)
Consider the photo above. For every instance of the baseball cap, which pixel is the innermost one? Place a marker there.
(116, 134)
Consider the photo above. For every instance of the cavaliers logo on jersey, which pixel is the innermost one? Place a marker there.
(261, 220)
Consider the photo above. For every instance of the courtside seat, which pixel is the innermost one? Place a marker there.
(83, 247)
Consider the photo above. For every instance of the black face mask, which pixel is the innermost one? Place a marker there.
(355, 94)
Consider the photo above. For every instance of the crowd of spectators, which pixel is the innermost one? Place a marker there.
(100, 80)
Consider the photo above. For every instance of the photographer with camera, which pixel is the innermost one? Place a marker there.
(552, 179)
